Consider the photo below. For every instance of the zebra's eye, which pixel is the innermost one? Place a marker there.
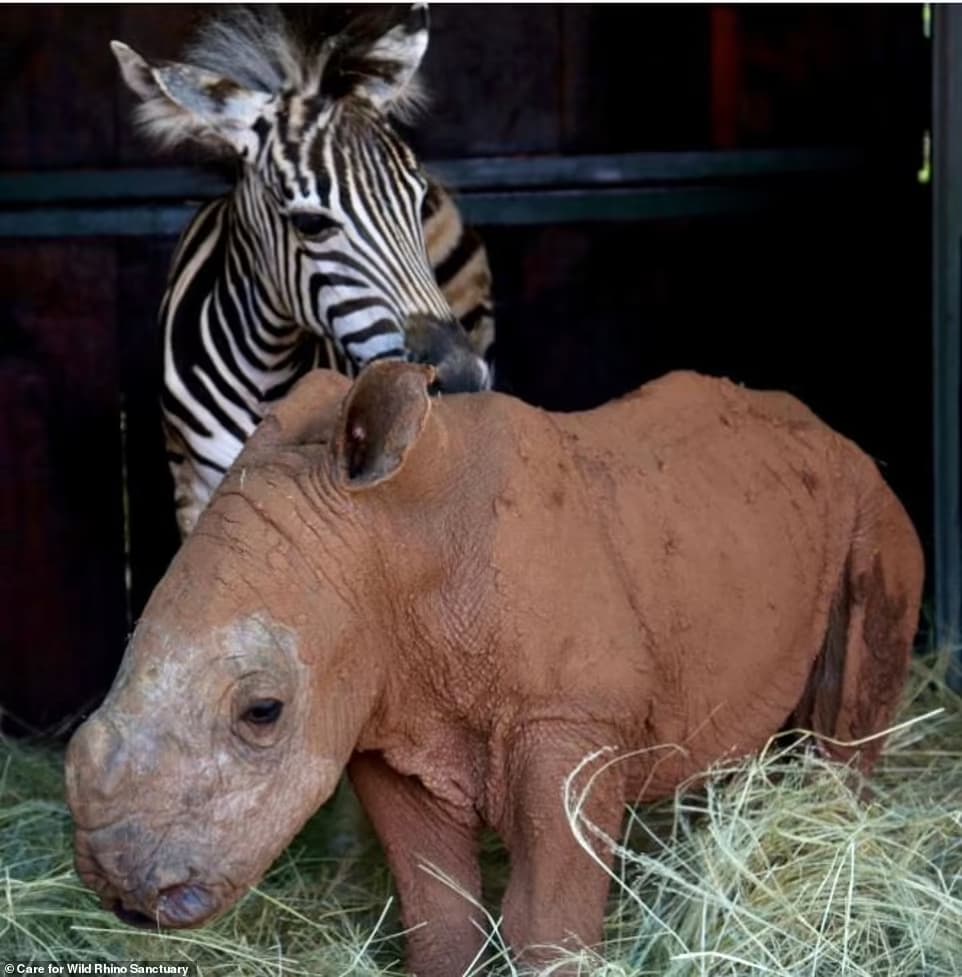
(312, 225)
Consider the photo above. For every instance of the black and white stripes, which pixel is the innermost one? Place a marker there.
(329, 245)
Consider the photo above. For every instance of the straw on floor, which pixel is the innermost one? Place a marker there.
(777, 865)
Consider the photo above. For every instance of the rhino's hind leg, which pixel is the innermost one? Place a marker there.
(855, 687)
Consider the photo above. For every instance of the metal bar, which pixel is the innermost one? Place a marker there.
(490, 173)
(68, 186)
(947, 318)
(575, 206)
(512, 209)
(59, 222)
(635, 168)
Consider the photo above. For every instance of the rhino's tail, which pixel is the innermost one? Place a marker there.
(854, 689)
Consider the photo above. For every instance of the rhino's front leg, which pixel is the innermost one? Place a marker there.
(419, 831)
(557, 893)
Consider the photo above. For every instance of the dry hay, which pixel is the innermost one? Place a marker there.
(775, 866)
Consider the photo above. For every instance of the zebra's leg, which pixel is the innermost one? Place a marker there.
(190, 497)
(192, 491)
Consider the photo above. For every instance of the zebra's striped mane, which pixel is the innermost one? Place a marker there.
(317, 47)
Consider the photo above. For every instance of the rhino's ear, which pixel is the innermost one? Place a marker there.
(380, 64)
(181, 102)
(381, 419)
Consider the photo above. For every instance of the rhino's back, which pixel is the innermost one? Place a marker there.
(685, 407)
(689, 476)
(688, 427)
(684, 543)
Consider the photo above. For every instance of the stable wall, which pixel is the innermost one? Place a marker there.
(786, 244)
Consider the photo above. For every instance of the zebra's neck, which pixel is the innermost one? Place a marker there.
(230, 345)
(265, 303)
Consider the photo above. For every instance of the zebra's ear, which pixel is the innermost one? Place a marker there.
(380, 421)
(383, 67)
(181, 103)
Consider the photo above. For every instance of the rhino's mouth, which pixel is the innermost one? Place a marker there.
(132, 917)
(151, 894)
(178, 907)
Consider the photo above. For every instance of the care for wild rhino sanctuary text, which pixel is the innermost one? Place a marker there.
(114, 968)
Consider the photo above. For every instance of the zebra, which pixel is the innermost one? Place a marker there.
(333, 249)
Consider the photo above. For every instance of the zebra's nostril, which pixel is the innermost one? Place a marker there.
(484, 372)
(461, 375)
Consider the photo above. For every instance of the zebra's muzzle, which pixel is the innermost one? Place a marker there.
(444, 345)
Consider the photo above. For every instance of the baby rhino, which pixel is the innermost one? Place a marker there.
(457, 600)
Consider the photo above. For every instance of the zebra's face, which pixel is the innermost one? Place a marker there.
(344, 193)
(330, 200)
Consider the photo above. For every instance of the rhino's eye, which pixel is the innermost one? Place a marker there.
(312, 224)
(263, 712)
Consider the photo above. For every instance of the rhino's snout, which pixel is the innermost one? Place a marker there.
(160, 891)
(96, 761)
(176, 907)
(139, 874)
(132, 917)
(185, 905)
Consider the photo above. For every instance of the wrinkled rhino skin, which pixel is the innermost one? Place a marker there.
(458, 600)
